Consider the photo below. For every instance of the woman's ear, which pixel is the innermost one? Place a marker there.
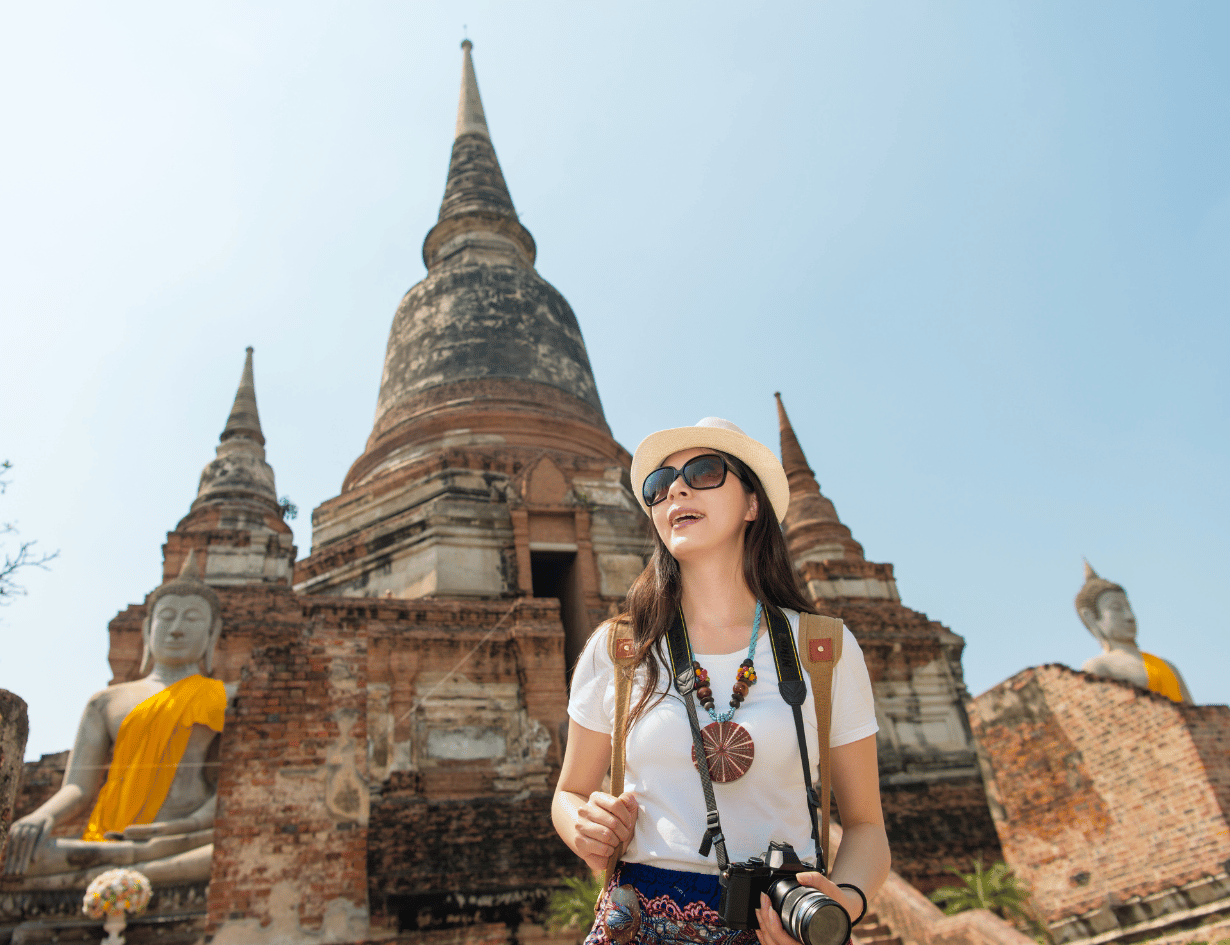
(753, 508)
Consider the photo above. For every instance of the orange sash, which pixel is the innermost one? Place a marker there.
(1162, 679)
(148, 749)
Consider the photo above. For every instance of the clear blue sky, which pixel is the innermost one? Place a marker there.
(982, 249)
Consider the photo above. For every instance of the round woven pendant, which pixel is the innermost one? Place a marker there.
(728, 749)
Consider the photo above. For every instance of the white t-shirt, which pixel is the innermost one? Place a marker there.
(767, 803)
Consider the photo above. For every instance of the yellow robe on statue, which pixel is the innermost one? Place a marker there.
(148, 749)
(1162, 678)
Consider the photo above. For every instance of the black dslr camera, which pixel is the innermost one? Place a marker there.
(807, 914)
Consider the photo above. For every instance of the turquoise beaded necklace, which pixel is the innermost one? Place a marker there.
(745, 678)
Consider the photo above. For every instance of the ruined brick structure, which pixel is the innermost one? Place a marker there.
(14, 729)
(935, 807)
(1112, 802)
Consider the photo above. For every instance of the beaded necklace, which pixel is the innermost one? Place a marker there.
(728, 746)
(745, 678)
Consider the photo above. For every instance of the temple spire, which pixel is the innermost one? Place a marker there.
(477, 222)
(234, 532)
(244, 419)
(802, 479)
(240, 473)
(470, 117)
(812, 526)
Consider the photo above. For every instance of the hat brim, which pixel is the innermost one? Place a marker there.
(756, 456)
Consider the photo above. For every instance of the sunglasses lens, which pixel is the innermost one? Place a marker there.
(704, 472)
(657, 484)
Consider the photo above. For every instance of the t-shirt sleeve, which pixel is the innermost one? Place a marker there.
(854, 707)
(591, 699)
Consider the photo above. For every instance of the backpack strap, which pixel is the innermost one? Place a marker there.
(820, 641)
(621, 646)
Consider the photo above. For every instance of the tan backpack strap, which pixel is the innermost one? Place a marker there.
(820, 648)
(621, 646)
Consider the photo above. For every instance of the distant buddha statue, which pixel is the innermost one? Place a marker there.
(154, 803)
(1104, 609)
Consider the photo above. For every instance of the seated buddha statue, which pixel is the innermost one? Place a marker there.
(1104, 609)
(152, 805)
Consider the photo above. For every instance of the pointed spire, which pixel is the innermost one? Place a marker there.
(244, 420)
(240, 473)
(470, 117)
(477, 212)
(812, 526)
(234, 533)
(801, 477)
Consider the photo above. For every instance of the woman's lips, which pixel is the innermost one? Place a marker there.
(681, 518)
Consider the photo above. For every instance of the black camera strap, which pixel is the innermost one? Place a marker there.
(793, 691)
(685, 682)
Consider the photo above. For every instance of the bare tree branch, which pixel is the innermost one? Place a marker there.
(24, 557)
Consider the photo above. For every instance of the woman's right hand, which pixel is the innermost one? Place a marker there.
(604, 825)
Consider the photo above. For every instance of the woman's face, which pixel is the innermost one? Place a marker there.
(691, 522)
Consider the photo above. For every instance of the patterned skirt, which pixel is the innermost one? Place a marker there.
(652, 906)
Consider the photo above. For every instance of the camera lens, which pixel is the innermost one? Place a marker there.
(808, 914)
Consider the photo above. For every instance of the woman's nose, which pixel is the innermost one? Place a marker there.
(679, 486)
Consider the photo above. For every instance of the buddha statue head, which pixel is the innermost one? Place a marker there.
(183, 621)
(1104, 610)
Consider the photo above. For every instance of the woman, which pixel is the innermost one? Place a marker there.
(716, 498)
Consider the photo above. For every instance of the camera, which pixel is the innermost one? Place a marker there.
(807, 914)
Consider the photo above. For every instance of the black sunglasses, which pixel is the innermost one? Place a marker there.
(707, 471)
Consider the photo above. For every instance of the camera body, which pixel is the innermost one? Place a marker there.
(807, 914)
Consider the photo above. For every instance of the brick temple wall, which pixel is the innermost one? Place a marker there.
(467, 704)
(391, 752)
(290, 839)
(935, 805)
(934, 825)
(1101, 791)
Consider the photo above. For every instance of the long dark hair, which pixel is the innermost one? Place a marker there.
(653, 600)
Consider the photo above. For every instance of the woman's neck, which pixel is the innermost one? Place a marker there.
(717, 604)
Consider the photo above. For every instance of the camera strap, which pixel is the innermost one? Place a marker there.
(794, 692)
(685, 682)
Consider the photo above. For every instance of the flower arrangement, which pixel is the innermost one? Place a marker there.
(114, 895)
(117, 892)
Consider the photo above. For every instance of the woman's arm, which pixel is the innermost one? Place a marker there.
(593, 823)
(863, 858)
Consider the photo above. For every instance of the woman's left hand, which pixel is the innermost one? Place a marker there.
(771, 931)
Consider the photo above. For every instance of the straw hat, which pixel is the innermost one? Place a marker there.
(715, 434)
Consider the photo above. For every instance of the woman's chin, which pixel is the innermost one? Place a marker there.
(686, 547)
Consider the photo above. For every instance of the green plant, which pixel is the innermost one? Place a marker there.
(573, 906)
(995, 889)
